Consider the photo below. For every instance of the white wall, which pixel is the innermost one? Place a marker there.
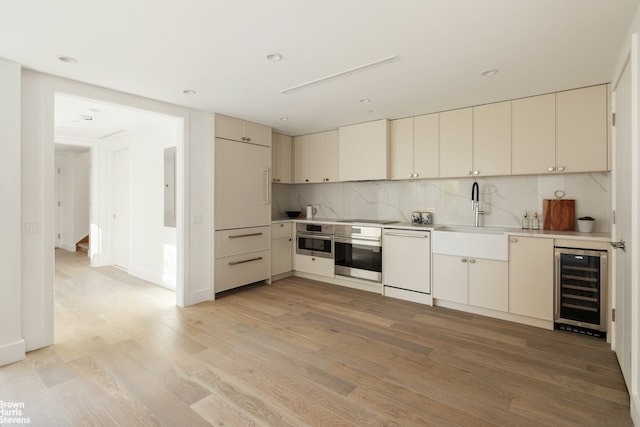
(505, 198)
(37, 195)
(75, 197)
(12, 345)
(152, 245)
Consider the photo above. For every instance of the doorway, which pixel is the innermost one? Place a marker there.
(127, 166)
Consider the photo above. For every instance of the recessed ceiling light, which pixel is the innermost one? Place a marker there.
(189, 92)
(85, 117)
(274, 57)
(365, 101)
(284, 119)
(491, 72)
(68, 59)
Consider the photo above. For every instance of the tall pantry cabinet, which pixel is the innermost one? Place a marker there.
(242, 202)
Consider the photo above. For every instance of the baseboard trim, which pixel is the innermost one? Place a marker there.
(68, 246)
(197, 297)
(363, 285)
(635, 409)
(150, 276)
(516, 318)
(13, 352)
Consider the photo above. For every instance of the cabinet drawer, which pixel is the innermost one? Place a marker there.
(241, 240)
(314, 265)
(239, 270)
(281, 230)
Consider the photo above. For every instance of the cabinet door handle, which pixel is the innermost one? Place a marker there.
(415, 236)
(245, 261)
(237, 236)
(514, 240)
(472, 261)
(463, 260)
(550, 169)
(476, 172)
(267, 186)
(560, 168)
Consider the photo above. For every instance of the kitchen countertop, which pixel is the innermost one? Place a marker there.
(510, 231)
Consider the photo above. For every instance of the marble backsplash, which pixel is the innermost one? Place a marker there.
(504, 198)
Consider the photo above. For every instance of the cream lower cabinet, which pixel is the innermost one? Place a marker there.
(531, 277)
(242, 257)
(314, 265)
(450, 278)
(281, 248)
(473, 281)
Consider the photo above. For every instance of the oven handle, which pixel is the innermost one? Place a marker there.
(315, 236)
(364, 241)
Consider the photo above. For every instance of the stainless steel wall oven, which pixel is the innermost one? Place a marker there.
(314, 240)
(358, 252)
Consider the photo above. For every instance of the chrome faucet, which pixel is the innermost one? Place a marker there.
(475, 203)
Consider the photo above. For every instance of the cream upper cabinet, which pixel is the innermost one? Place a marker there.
(241, 130)
(364, 151)
(401, 148)
(332, 157)
(316, 157)
(492, 139)
(561, 132)
(301, 147)
(533, 134)
(456, 139)
(414, 146)
(531, 277)
(581, 130)
(281, 158)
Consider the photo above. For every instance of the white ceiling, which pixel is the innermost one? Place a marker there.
(158, 48)
(79, 118)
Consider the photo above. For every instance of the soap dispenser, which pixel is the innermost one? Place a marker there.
(525, 221)
(535, 223)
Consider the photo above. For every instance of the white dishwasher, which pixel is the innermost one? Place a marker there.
(406, 264)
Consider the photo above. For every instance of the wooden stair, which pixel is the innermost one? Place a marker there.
(83, 245)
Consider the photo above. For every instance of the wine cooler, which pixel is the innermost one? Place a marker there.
(580, 290)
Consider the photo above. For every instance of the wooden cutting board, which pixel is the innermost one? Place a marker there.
(559, 214)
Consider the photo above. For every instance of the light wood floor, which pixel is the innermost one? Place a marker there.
(300, 352)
